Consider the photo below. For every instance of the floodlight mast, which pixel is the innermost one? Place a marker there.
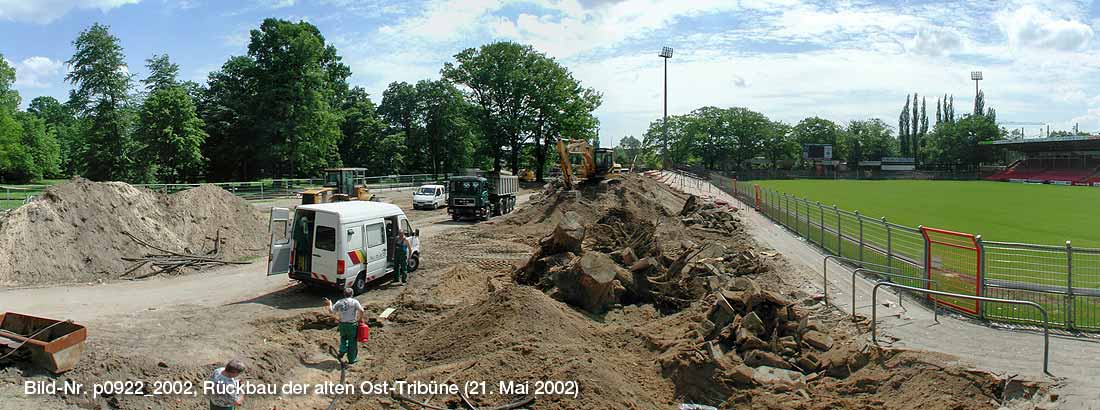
(666, 53)
(976, 76)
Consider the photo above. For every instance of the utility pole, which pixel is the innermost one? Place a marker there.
(666, 53)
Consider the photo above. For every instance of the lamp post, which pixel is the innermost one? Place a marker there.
(666, 53)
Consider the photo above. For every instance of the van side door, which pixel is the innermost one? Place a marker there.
(375, 233)
(414, 240)
(278, 257)
(326, 246)
(356, 252)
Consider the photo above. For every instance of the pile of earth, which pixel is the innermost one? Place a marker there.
(79, 231)
(728, 326)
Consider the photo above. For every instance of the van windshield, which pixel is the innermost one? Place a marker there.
(426, 191)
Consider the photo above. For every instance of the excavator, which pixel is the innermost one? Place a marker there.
(595, 163)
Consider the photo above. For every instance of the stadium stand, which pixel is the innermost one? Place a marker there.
(1060, 160)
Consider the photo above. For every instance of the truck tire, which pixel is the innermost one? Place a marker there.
(414, 262)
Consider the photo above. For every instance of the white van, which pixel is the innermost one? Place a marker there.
(430, 197)
(339, 244)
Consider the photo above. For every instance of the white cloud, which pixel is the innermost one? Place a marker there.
(1029, 27)
(936, 41)
(37, 72)
(443, 21)
(572, 28)
(277, 4)
(46, 11)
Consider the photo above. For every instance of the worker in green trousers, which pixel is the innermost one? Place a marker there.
(401, 258)
(350, 312)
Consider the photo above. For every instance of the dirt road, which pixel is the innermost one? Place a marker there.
(1001, 350)
(211, 288)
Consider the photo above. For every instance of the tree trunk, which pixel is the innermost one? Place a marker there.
(540, 154)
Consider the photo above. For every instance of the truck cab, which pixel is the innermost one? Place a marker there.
(340, 244)
(482, 197)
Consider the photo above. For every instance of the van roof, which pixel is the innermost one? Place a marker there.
(431, 186)
(356, 210)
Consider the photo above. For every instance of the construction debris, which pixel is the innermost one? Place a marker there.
(173, 262)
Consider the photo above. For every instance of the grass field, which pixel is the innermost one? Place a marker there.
(12, 196)
(999, 211)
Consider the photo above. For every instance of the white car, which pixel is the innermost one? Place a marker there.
(430, 197)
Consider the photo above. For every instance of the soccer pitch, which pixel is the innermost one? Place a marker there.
(999, 211)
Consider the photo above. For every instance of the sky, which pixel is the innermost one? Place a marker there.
(788, 59)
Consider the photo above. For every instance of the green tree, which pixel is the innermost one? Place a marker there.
(562, 109)
(233, 148)
(41, 148)
(979, 103)
(958, 143)
(61, 122)
(400, 109)
(299, 78)
(779, 143)
(14, 159)
(101, 95)
(918, 140)
(170, 132)
(441, 107)
(9, 98)
(172, 136)
(162, 73)
(500, 80)
(815, 130)
(363, 132)
(631, 149)
(679, 147)
(869, 140)
(903, 127)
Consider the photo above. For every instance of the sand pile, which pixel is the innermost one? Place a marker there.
(76, 231)
(518, 333)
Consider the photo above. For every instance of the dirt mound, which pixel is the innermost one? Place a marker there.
(518, 333)
(77, 231)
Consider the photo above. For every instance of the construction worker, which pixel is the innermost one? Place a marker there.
(227, 395)
(401, 258)
(350, 312)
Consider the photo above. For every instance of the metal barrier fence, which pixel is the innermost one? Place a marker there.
(1064, 280)
(14, 196)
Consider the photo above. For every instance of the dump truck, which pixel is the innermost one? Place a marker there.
(482, 197)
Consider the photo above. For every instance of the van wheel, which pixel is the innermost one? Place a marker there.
(414, 262)
(360, 284)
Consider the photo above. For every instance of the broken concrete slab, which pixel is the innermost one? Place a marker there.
(818, 340)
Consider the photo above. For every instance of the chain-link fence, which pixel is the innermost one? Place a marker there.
(14, 196)
(1063, 279)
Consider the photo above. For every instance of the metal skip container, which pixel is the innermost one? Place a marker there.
(55, 345)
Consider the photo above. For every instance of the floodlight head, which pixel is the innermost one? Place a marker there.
(975, 75)
(666, 52)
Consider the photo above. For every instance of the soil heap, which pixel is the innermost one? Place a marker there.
(78, 231)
